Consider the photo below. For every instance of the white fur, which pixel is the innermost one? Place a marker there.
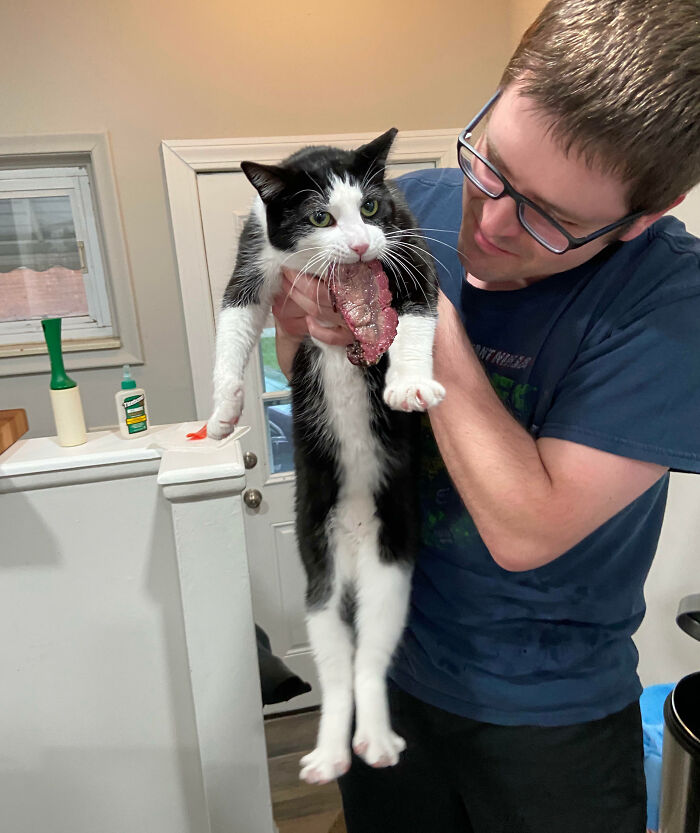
(350, 229)
(238, 330)
(409, 381)
(382, 591)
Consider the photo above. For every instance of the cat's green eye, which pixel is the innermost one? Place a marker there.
(320, 219)
(369, 208)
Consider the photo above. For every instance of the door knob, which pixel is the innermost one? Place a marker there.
(252, 498)
(250, 460)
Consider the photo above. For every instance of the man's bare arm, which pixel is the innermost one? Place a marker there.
(530, 500)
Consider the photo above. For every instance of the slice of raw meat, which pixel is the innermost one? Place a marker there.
(360, 291)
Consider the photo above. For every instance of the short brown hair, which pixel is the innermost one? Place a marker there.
(621, 80)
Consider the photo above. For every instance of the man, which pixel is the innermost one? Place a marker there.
(569, 347)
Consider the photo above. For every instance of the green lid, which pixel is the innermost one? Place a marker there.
(127, 380)
(52, 333)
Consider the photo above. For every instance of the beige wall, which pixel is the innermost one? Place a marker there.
(523, 12)
(151, 70)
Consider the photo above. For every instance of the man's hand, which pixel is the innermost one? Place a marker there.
(304, 307)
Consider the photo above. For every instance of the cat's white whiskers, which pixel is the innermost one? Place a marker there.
(421, 229)
(408, 233)
(395, 267)
(366, 182)
(318, 249)
(328, 262)
(399, 232)
(311, 263)
(319, 255)
(425, 255)
(400, 259)
(320, 190)
(309, 191)
(300, 251)
(394, 248)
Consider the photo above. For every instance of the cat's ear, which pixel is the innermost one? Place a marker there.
(268, 180)
(375, 153)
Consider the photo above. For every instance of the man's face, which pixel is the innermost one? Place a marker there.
(494, 248)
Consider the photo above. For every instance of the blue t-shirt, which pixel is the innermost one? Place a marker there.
(606, 355)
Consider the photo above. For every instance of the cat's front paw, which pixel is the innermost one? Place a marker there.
(407, 393)
(378, 748)
(226, 414)
(325, 764)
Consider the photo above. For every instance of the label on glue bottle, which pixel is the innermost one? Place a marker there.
(135, 413)
(131, 407)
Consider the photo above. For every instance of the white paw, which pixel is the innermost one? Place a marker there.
(324, 764)
(406, 393)
(226, 414)
(378, 748)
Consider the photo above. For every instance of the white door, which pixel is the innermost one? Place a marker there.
(277, 577)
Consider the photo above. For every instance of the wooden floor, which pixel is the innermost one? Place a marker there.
(298, 807)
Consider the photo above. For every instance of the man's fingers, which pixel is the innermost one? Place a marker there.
(319, 308)
(284, 307)
(304, 306)
(293, 327)
(338, 335)
(309, 292)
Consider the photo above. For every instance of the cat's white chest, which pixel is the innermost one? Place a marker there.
(348, 416)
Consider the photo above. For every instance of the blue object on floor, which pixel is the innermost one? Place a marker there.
(652, 705)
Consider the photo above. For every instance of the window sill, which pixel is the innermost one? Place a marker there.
(31, 359)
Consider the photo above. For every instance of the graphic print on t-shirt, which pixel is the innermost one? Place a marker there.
(445, 519)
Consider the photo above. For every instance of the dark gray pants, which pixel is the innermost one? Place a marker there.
(461, 776)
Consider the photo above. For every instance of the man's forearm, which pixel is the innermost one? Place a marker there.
(531, 501)
(492, 460)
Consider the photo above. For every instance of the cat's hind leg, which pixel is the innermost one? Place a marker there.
(331, 640)
(382, 602)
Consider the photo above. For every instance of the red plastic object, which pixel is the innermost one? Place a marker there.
(198, 435)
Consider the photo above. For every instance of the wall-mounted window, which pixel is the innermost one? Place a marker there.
(62, 254)
(51, 260)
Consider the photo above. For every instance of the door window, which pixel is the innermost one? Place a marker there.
(277, 407)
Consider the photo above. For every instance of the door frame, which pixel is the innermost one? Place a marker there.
(184, 159)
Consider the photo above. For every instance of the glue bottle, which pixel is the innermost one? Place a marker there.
(131, 407)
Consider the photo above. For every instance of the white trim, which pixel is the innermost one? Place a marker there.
(184, 159)
(53, 174)
(124, 345)
(96, 279)
(72, 183)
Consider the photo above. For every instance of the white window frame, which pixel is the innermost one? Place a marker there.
(80, 166)
(73, 183)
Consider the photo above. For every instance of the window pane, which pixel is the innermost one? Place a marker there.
(40, 270)
(273, 378)
(278, 421)
(37, 233)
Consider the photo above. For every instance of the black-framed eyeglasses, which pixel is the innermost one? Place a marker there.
(488, 179)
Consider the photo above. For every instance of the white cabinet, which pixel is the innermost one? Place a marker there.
(130, 695)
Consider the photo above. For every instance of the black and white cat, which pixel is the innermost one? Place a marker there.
(330, 212)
